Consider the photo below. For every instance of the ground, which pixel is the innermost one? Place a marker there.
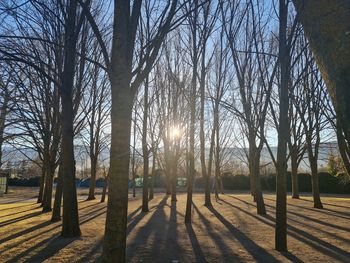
(231, 231)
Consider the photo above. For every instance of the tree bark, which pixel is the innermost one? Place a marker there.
(104, 190)
(327, 26)
(56, 212)
(93, 170)
(151, 190)
(70, 226)
(294, 164)
(255, 173)
(283, 133)
(315, 185)
(41, 187)
(145, 151)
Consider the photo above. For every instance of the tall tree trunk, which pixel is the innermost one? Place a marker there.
(93, 170)
(56, 212)
(326, 25)
(145, 151)
(133, 158)
(70, 226)
(192, 102)
(205, 174)
(294, 164)
(283, 133)
(116, 221)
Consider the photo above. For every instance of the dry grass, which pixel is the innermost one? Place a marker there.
(231, 231)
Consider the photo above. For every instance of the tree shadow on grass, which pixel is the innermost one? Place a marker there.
(15, 207)
(55, 240)
(318, 244)
(311, 201)
(18, 219)
(325, 210)
(257, 252)
(20, 212)
(195, 244)
(136, 246)
(225, 250)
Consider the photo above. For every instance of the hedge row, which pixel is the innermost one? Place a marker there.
(328, 183)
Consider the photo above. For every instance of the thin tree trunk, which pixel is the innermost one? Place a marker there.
(104, 190)
(93, 171)
(295, 186)
(260, 205)
(47, 202)
(41, 187)
(151, 191)
(56, 212)
(315, 185)
(145, 151)
(173, 180)
(192, 100)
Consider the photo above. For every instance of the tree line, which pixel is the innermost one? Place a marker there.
(178, 83)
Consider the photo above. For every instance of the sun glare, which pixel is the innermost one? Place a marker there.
(174, 132)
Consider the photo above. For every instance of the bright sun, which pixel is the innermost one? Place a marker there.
(174, 132)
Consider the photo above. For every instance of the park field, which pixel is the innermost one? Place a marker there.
(230, 231)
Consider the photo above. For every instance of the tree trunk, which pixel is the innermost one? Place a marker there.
(70, 226)
(327, 26)
(192, 102)
(41, 187)
(116, 221)
(104, 190)
(145, 151)
(255, 165)
(315, 185)
(47, 201)
(56, 212)
(283, 134)
(151, 190)
(294, 164)
(93, 171)
(173, 180)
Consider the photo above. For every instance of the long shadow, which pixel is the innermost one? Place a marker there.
(90, 205)
(299, 215)
(94, 250)
(341, 206)
(195, 244)
(254, 249)
(131, 215)
(20, 212)
(171, 235)
(325, 210)
(318, 244)
(54, 242)
(217, 238)
(149, 228)
(83, 219)
(136, 219)
(16, 207)
(312, 219)
(18, 200)
(18, 219)
(52, 246)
